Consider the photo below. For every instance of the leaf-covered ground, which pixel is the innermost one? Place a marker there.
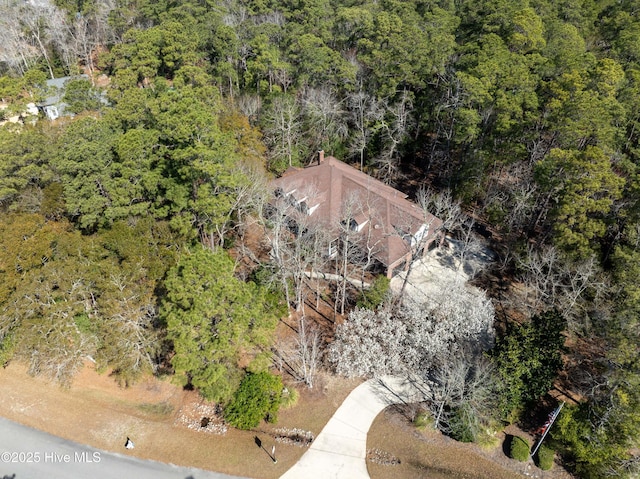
(414, 454)
(95, 411)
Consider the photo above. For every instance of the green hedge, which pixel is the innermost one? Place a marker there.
(257, 398)
(544, 458)
(375, 295)
(464, 424)
(519, 449)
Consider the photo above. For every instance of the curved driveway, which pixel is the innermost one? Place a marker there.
(27, 453)
(340, 449)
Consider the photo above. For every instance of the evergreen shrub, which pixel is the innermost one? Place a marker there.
(257, 398)
(519, 449)
(544, 458)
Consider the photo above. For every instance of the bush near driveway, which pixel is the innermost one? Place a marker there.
(257, 398)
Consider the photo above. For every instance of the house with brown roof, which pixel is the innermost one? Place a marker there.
(338, 197)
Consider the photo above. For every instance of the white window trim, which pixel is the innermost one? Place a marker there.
(359, 226)
(420, 234)
(333, 248)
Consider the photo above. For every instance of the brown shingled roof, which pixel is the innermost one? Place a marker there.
(380, 211)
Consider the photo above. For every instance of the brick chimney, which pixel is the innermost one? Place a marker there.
(320, 156)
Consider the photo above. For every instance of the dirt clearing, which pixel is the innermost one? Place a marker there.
(397, 449)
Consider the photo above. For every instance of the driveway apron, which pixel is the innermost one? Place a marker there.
(340, 449)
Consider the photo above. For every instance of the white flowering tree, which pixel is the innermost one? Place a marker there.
(414, 336)
(369, 343)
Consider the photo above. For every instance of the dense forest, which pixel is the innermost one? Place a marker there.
(116, 223)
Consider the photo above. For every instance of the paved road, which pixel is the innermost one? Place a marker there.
(339, 451)
(27, 453)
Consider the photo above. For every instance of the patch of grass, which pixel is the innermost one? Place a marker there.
(464, 425)
(163, 408)
(96, 411)
(423, 421)
(487, 439)
(84, 324)
(289, 398)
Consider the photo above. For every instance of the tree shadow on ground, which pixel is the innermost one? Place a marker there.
(506, 445)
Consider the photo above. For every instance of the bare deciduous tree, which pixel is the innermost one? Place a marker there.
(553, 282)
(462, 386)
(250, 106)
(84, 35)
(454, 223)
(443, 206)
(247, 195)
(355, 250)
(301, 356)
(17, 52)
(396, 125)
(52, 341)
(130, 343)
(283, 129)
(365, 115)
(522, 192)
(33, 30)
(319, 249)
(468, 246)
(278, 235)
(324, 118)
(297, 242)
(416, 244)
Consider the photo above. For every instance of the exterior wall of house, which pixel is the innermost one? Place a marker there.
(389, 223)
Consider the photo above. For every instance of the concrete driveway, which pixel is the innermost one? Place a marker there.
(340, 449)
